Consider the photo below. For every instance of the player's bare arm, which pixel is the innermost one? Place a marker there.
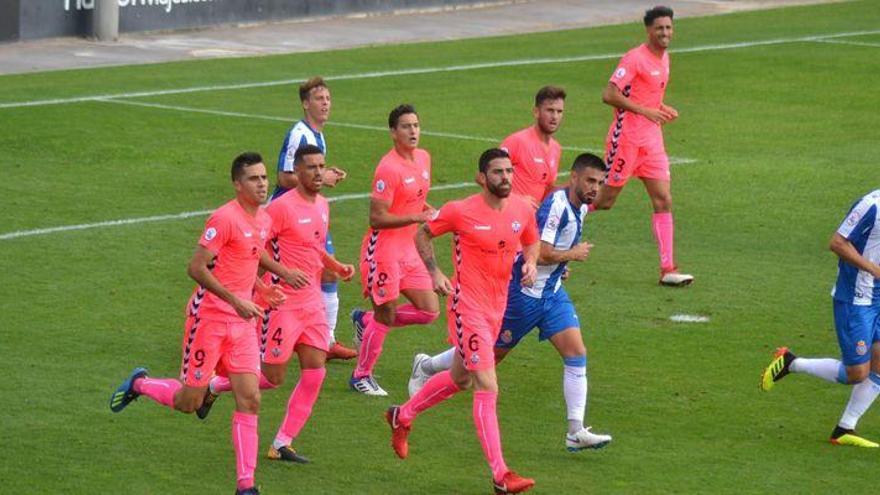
(425, 247)
(612, 96)
(549, 255)
(198, 270)
(344, 270)
(287, 180)
(841, 246)
(292, 276)
(382, 218)
(529, 269)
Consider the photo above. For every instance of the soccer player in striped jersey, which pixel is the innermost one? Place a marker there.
(856, 307)
(545, 304)
(390, 265)
(489, 229)
(634, 146)
(220, 317)
(314, 96)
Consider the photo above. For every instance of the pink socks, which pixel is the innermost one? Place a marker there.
(299, 407)
(220, 384)
(407, 314)
(439, 388)
(486, 421)
(161, 390)
(244, 439)
(663, 233)
(371, 346)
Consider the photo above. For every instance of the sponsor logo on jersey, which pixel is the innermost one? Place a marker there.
(248, 234)
(655, 72)
(305, 220)
(482, 227)
(409, 180)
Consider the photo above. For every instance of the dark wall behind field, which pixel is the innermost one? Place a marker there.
(31, 19)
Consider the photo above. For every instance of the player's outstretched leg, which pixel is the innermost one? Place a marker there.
(777, 369)
(125, 393)
(220, 384)
(399, 432)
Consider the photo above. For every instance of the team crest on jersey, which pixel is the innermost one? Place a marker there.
(475, 358)
(861, 348)
(425, 175)
(276, 351)
(507, 336)
(198, 374)
(553, 221)
(620, 73)
(263, 234)
(516, 226)
(380, 292)
(210, 233)
(380, 185)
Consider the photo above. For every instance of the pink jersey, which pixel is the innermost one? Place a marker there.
(237, 239)
(485, 243)
(299, 232)
(642, 77)
(405, 185)
(535, 163)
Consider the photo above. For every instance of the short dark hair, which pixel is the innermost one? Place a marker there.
(489, 155)
(657, 12)
(243, 161)
(401, 110)
(587, 160)
(549, 93)
(306, 88)
(306, 149)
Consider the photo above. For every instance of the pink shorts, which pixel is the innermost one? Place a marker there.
(386, 279)
(287, 328)
(224, 347)
(474, 334)
(631, 160)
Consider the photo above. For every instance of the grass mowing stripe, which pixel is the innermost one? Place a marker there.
(674, 160)
(430, 70)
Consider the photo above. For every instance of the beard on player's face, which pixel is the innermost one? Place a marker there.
(500, 189)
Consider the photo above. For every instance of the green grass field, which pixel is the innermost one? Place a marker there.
(777, 140)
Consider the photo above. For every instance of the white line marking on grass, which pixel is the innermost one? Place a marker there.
(449, 135)
(430, 70)
(843, 42)
(680, 318)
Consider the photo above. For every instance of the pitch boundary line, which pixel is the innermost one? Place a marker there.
(448, 135)
(851, 43)
(431, 70)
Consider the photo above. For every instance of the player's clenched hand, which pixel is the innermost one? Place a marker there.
(529, 274)
(565, 274)
(247, 309)
(580, 251)
(425, 215)
(346, 272)
(673, 113)
(441, 283)
(273, 295)
(333, 176)
(296, 279)
(658, 115)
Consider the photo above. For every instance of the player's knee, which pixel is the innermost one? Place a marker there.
(385, 315)
(274, 377)
(187, 404)
(248, 401)
(430, 316)
(662, 204)
(856, 374)
(576, 361)
(463, 382)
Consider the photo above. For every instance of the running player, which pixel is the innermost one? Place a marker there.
(314, 96)
(390, 265)
(533, 151)
(220, 317)
(856, 298)
(546, 305)
(300, 220)
(488, 230)
(634, 146)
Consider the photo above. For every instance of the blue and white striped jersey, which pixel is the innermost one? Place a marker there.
(559, 224)
(860, 227)
(298, 135)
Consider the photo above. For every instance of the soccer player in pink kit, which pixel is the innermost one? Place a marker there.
(390, 265)
(533, 151)
(634, 146)
(300, 222)
(488, 229)
(220, 317)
